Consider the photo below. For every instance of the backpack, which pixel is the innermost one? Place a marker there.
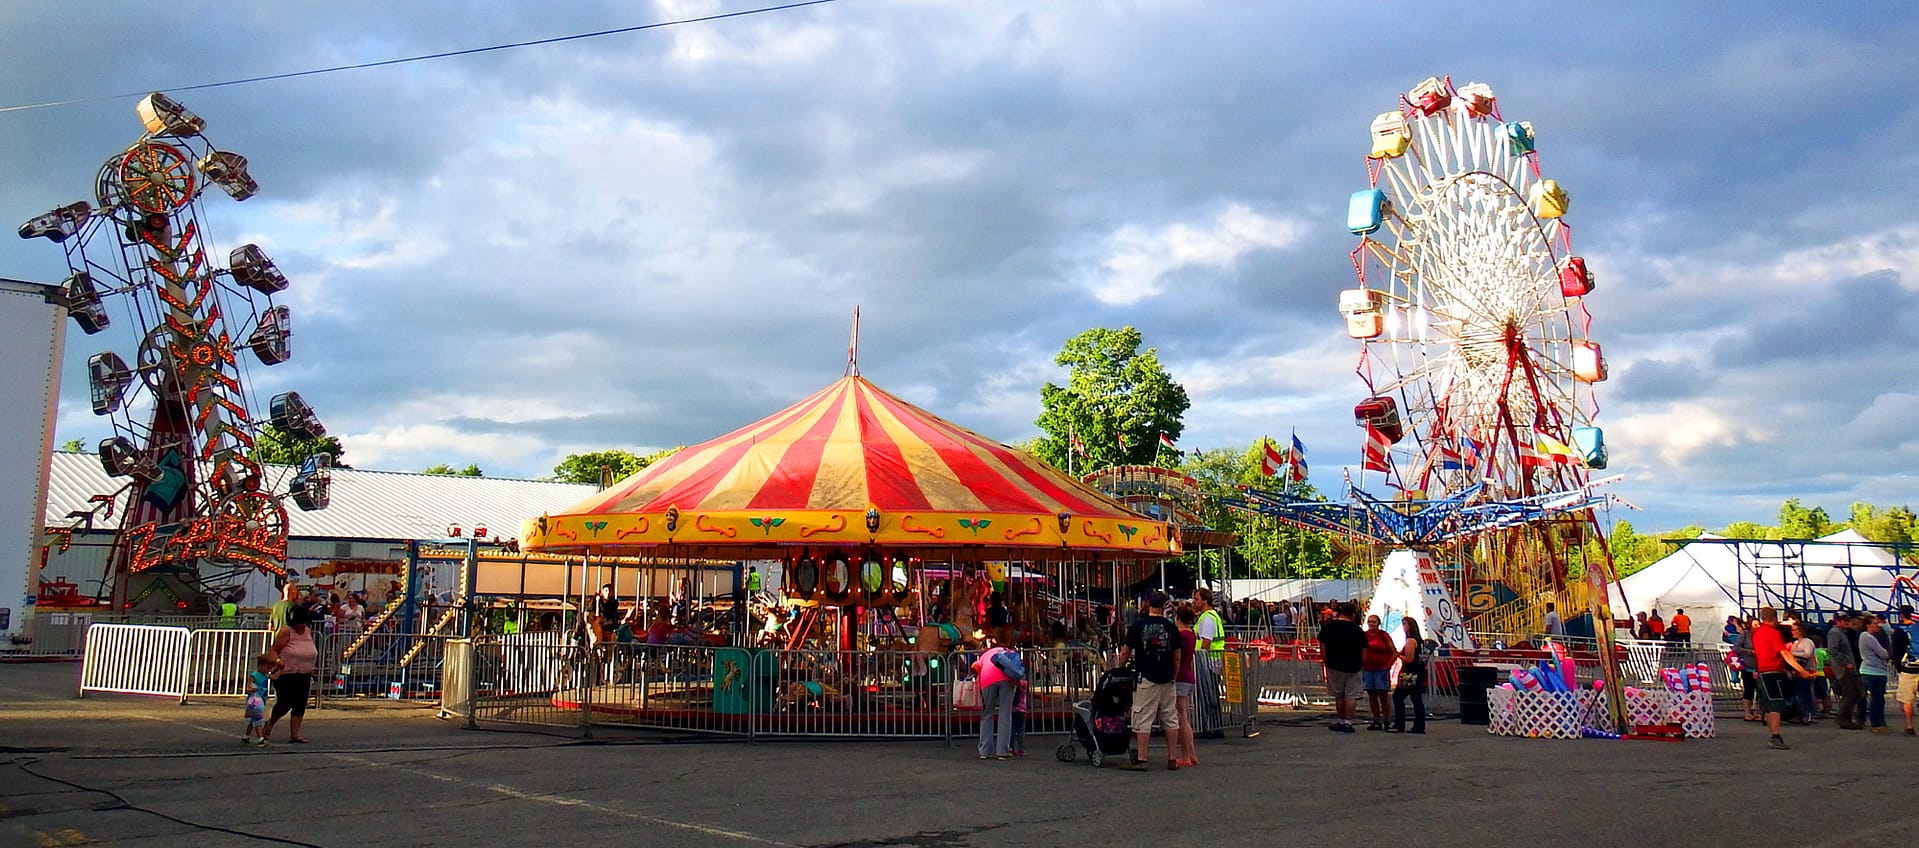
(1159, 646)
(1010, 664)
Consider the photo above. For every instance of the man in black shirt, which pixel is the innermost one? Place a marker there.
(1344, 645)
(607, 608)
(1153, 647)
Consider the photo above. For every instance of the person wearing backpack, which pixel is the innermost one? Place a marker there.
(998, 686)
(1152, 646)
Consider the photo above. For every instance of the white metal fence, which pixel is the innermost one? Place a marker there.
(168, 660)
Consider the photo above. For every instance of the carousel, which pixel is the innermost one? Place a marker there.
(899, 539)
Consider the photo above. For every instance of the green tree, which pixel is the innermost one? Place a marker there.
(1799, 522)
(449, 471)
(1266, 548)
(1894, 524)
(1748, 530)
(73, 446)
(600, 468)
(1117, 401)
(278, 447)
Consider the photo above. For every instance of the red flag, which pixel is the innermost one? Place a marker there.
(1075, 445)
(1272, 462)
(1374, 457)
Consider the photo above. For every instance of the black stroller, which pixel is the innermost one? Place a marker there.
(1100, 724)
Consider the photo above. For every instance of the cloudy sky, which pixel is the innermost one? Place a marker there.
(648, 239)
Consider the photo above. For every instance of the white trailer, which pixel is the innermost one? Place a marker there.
(32, 336)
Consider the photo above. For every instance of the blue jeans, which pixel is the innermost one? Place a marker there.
(1807, 706)
(996, 719)
(1875, 699)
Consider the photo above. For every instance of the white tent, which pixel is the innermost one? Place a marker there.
(1712, 580)
(1702, 579)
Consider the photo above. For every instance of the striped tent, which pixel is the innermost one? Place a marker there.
(850, 466)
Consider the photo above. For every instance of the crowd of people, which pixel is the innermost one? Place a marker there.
(1794, 671)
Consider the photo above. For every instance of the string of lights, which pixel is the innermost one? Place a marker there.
(425, 57)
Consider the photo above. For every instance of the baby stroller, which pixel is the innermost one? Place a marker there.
(1100, 724)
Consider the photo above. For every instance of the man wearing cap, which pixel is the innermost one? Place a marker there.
(1153, 647)
(1905, 657)
(1848, 689)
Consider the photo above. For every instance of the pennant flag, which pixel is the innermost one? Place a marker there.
(1122, 440)
(1272, 461)
(1447, 456)
(1470, 456)
(1556, 451)
(1374, 457)
(1075, 445)
(1167, 442)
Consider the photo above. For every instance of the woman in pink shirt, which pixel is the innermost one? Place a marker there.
(299, 658)
(996, 693)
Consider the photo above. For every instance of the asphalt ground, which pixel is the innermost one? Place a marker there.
(136, 771)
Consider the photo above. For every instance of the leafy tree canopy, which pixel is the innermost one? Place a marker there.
(605, 467)
(278, 447)
(1117, 401)
(449, 471)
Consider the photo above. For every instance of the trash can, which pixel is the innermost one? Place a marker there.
(1474, 680)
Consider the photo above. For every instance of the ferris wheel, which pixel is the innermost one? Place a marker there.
(1470, 304)
(185, 426)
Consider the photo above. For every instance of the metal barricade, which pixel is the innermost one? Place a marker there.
(138, 659)
(389, 665)
(55, 635)
(527, 679)
(218, 662)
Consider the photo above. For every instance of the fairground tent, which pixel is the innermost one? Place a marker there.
(1714, 577)
(853, 466)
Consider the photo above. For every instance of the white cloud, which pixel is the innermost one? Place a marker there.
(1138, 259)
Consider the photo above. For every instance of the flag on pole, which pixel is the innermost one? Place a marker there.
(1298, 459)
(1470, 456)
(1447, 456)
(1166, 442)
(1554, 451)
(1122, 440)
(1272, 460)
(1075, 445)
(1375, 457)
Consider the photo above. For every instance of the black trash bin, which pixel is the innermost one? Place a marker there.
(1474, 680)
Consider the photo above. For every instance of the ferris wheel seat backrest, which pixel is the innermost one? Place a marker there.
(1391, 135)
(1548, 199)
(1361, 307)
(1366, 210)
(162, 115)
(107, 380)
(1591, 444)
(1431, 96)
(1477, 99)
(83, 302)
(1381, 413)
(1574, 279)
(1589, 362)
(1519, 137)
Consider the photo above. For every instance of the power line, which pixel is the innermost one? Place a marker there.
(445, 55)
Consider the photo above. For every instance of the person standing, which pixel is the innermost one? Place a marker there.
(996, 693)
(1152, 646)
(1412, 679)
(1185, 752)
(282, 611)
(1849, 690)
(1906, 655)
(606, 615)
(1681, 629)
(1806, 651)
(1773, 660)
(1555, 627)
(1874, 663)
(299, 658)
(1376, 671)
(1748, 670)
(1344, 647)
(1210, 631)
(1655, 626)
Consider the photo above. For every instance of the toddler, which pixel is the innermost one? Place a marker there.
(1018, 742)
(265, 667)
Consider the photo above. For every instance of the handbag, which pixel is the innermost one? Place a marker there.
(966, 694)
(1413, 675)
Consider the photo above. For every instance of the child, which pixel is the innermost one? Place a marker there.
(1018, 742)
(265, 668)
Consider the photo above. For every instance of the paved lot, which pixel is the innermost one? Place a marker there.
(119, 770)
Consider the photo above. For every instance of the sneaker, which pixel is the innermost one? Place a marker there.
(1134, 765)
(1777, 744)
(246, 740)
(259, 742)
(1882, 729)
(1376, 726)
(1004, 757)
(1344, 727)
(1172, 765)
(984, 757)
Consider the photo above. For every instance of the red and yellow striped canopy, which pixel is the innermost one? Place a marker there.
(851, 465)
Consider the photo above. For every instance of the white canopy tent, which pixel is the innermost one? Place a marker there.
(1713, 577)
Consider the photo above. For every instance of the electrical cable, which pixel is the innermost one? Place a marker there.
(422, 58)
(123, 804)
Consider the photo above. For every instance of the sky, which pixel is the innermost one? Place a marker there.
(651, 238)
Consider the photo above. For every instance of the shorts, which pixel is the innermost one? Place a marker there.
(1154, 700)
(1376, 681)
(1344, 684)
(1776, 692)
(1185, 690)
(1909, 687)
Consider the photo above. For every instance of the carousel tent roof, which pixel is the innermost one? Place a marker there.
(850, 464)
